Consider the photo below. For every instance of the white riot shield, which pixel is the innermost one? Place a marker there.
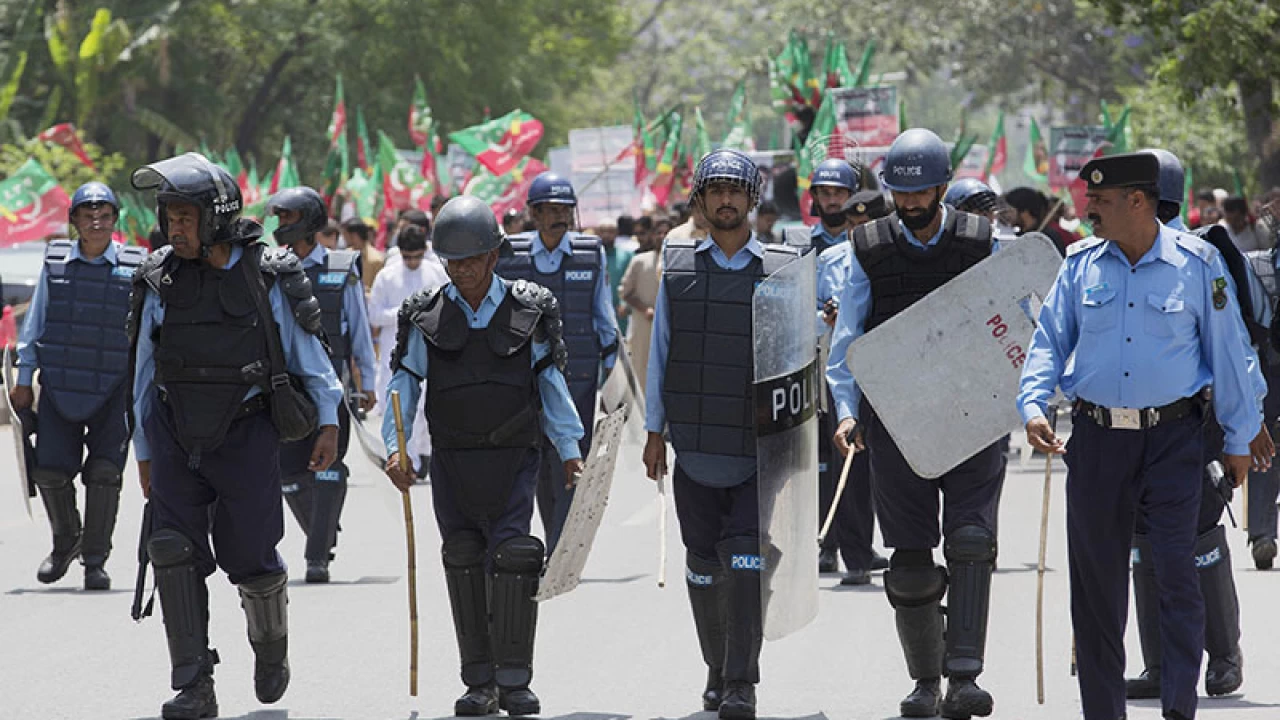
(785, 396)
(23, 452)
(943, 374)
(564, 569)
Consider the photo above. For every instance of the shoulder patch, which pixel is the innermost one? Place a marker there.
(1080, 246)
(1219, 293)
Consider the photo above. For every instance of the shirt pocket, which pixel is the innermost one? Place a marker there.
(1165, 315)
(1100, 311)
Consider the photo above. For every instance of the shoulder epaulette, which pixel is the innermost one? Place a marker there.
(58, 251)
(1080, 246)
(1199, 245)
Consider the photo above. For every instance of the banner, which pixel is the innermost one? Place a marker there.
(32, 205)
(867, 116)
(1070, 147)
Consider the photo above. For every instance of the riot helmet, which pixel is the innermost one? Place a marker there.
(92, 193)
(466, 227)
(549, 187)
(725, 165)
(917, 160)
(309, 204)
(193, 179)
(1172, 182)
(971, 195)
(835, 172)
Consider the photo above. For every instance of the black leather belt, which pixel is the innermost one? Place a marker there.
(1138, 418)
(252, 406)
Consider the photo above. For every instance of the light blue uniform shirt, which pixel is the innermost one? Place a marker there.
(825, 241)
(559, 416)
(304, 357)
(355, 319)
(548, 261)
(33, 322)
(708, 469)
(1144, 335)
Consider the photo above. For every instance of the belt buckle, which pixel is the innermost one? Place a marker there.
(1126, 418)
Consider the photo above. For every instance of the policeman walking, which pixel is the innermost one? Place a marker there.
(572, 266)
(74, 335)
(700, 390)
(1225, 672)
(214, 394)
(316, 497)
(896, 261)
(492, 356)
(1149, 316)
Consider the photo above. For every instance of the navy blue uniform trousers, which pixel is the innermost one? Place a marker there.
(854, 522)
(512, 522)
(239, 481)
(296, 456)
(708, 515)
(1264, 487)
(1113, 478)
(554, 499)
(61, 443)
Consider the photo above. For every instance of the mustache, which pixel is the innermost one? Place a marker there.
(1095, 219)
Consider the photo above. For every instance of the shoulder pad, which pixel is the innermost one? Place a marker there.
(972, 227)
(876, 232)
(295, 285)
(279, 260)
(778, 256)
(533, 295)
(550, 328)
(153, 268)
(58, 251)
(584, 242)
(798, 237)
(343, 261)
(130, 255)
(1199, 246)
(413, 306)
(1080, 246)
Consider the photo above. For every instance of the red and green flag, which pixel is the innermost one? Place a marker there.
(1118, 132)
(286, 174)
(998, 150)
(824, 141)
(364, 151)
(739, 136)
(65, 135)
(664, 173)
(505, 192)
(32, 205)
(363, 192)
(1188, 195)
(422, 131)
(499, 144)
(337, 162)
(136, 220)
(642, 146)
(402, 187)
(835, 64)
(1035, 163)
(789, 75)
(701, 139)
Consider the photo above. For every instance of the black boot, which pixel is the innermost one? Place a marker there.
(59, 497)
(743, 626)
(1225, 673)
(1264, 553)
(464, 557)
(739, 701)
(1146, 605)
(102, 483)
(327, 498)
(828, 562)
(184, 603)
(971, 554)
(517, 565)
(923, 700)
(266, 602)
(705, 579)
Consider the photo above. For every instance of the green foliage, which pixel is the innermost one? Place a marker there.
(64, 165)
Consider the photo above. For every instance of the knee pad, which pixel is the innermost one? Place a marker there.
(741, 554)
(102, 472)
(169, 548)
(50, 478)
(1211, 548)
(337, 473)
(700, 572)
(913, 580)
(523, 554)
(970, 544)
(465, 548)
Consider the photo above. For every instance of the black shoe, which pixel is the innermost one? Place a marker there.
(923, 700)
(879, 562)
(965, 699)
(519, 702)
(739, 701)
(317, 572)
(1174, 715)
(271, 670)
(193, 702)
(827, 561)
(856, 577)
(481, 700)
(96, 578)
(1264, 553)
(714, 694)
(55, 566)
(1224, 675)
(1144, 687)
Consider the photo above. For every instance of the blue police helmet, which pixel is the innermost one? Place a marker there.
(917, 160)
(93, 192)
(835, 172)
(550, 187)
(970, 195)
(1172, 177)
(727, 165)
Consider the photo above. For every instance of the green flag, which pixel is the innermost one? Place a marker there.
(364, 151)
(1035, 164)
(863, 73)
(32, 205)
(902, 115)
(664, 175)
(336, 163)
(701, 140)
(739, 136)
(499, 144)
(1188, 195)
(286, 174)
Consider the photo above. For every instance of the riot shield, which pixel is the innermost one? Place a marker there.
(22, 428)
(368, 437)
(943, 374)
(564, 569)
(785, 397)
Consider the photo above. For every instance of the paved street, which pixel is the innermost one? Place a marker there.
(617, 647)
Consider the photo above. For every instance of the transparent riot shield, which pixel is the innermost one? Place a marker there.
(786, 401)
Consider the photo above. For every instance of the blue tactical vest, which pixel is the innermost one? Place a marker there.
(329, 282)
(707, 387)
(574, 285)
(84, 350)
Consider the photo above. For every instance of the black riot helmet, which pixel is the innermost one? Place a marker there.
(305, 201)
(192, 178)
(466, 227)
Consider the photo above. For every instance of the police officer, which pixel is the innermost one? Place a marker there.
(833, 184)
(896, 261)
(971, 195)
(1148, 313)
(316, 498)
(572, 266)
(1224, 673)
(865, 206)
(700, 389)
(207, 448)
(492, 356)
(74, 334)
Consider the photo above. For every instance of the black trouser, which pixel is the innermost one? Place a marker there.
(854, 521)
